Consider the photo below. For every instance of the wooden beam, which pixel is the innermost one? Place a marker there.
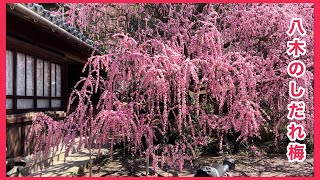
(42, 37)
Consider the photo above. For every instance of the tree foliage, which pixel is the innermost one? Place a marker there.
(191, 71)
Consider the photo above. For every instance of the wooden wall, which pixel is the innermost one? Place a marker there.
(25, 34)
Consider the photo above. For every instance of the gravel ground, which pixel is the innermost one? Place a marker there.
(246, 166)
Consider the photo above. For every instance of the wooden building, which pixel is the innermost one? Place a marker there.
(44, 59)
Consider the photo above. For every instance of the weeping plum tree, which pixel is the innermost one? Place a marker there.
(173, 75)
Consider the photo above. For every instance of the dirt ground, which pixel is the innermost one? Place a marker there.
(245, 166)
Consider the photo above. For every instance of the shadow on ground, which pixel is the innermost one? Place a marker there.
(246, 166)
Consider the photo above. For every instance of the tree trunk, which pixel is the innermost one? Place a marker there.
(147, 166)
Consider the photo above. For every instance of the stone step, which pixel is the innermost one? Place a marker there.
(56, 166)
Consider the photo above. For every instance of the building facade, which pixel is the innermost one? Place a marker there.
(44, 60)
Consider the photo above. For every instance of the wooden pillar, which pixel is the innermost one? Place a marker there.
(64, 86)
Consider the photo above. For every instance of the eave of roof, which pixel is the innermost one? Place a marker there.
(55, 23)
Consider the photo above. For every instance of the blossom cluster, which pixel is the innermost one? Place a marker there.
(176, 75)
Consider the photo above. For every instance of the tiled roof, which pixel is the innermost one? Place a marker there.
(58, 20)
